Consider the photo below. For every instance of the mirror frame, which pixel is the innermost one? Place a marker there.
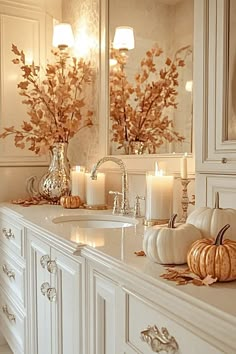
(134, 163)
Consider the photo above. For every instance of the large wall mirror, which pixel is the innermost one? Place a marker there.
(150, 80)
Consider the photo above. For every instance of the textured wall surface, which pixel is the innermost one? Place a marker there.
(83, 15)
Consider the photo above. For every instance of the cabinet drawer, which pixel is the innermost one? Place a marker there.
(141, 314)
(12, 274)
(12, 235)
(12, 324)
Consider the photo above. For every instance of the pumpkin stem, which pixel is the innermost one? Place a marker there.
(171, 223)
(219, 237)
(217, 201)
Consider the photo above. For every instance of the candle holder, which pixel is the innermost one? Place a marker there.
(153, 222)
(185, 199)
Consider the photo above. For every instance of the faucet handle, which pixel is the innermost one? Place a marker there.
(137, 212)
(116, 204)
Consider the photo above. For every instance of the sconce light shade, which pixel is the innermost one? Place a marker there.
(62, 36)
(124, 38)
(189, 86)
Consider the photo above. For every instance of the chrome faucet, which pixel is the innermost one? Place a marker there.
(124, 210)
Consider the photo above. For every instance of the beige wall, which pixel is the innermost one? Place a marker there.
(13, 181)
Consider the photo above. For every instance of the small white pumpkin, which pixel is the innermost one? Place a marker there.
(169, 244)
(211, 220)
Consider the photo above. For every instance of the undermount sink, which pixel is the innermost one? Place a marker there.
(96, 221)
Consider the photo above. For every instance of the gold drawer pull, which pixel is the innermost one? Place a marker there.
(10, 273)
(8, 234)
(9, 315)
(159, 340)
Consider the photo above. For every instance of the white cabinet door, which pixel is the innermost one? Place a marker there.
(208, 184)
(39, 305)
(56, 285)
(102, 314)
(214, 86)
(67, 311)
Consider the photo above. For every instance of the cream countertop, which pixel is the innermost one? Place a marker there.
(118, 246)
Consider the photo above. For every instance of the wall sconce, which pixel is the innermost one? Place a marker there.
(124, 38)
(62, 36)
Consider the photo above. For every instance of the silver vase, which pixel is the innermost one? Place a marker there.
(56, 181)
(134, 147)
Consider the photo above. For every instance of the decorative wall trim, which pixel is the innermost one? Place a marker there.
(210, 87)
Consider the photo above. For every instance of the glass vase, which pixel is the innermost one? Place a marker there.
(56, 181)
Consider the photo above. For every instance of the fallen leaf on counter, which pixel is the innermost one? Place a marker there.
(30, 201)
(208, 280)
(140, 253)
(184, 276)
(197, 282)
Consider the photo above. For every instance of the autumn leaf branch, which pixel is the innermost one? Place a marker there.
(56, 104)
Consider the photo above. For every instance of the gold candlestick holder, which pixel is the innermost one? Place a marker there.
(185, 199)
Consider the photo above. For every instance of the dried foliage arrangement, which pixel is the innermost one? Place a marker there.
(139, 111)
(56, 104)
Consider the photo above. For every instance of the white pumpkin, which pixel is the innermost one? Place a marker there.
(169, 244)
(211, 220)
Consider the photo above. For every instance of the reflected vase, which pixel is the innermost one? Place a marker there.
(56, 181)
(134, 147)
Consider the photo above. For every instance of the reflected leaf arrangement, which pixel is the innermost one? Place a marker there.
(140, 111)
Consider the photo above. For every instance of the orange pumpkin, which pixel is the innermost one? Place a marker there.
(213, 257)
(70, 201)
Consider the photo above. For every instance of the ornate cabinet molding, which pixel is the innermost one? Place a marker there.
(25, 28)
(215, 148)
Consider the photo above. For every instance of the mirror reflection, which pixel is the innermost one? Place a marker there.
(150, 76)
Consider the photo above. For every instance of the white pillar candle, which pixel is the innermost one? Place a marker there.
(95, 189)
(78, 181)
(184, 166)
(159, 196)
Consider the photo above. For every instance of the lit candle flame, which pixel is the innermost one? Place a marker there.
(158, 172)
(156, 168)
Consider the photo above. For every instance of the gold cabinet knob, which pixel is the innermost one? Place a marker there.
(9, 272)
(11, 317)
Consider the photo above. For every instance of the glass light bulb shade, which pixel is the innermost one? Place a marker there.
(124, 38)
(63, 35)
(112, 61)
(189, 86)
